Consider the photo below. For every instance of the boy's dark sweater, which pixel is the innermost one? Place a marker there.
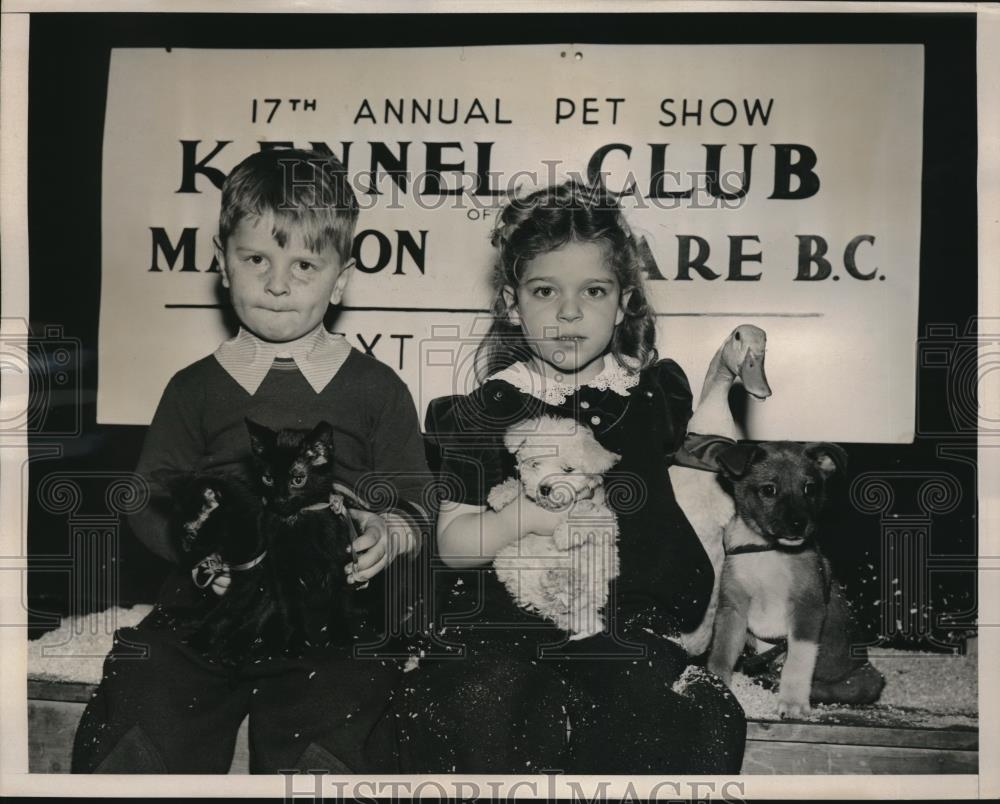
(199, 426)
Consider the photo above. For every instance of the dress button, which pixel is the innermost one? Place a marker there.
(595, 419)
(584, 404)
(497, 395)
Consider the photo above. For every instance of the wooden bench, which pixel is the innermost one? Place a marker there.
(805, 748)
(55, 707)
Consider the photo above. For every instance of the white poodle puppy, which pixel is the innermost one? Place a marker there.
(564, 577)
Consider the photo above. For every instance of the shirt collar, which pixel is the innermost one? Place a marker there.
(318, 355)
(613, 377)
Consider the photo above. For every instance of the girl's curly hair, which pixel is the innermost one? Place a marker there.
(544, 221)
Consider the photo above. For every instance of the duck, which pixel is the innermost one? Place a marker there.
(707, 506)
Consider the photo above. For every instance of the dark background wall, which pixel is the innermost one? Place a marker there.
(903, 531)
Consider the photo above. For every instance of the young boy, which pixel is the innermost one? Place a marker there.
(284, 247)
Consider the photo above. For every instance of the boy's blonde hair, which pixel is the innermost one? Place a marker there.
(304, 190)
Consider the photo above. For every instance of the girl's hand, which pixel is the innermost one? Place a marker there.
(471, 536)
(527, 516)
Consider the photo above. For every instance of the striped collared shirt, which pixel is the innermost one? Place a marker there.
(318, 355)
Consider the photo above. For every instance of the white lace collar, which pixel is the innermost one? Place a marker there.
(613, 377)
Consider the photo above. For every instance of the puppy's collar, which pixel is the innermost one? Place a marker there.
(742, 549)
(765, 548)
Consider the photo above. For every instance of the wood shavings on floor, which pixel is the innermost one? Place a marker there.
(922, 690)
(75, 651)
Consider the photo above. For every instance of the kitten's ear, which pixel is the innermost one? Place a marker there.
(261, 438)
(319, 444)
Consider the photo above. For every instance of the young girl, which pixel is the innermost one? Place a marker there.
(573, 336)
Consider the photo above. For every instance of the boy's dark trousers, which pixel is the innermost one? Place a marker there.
(162, 708)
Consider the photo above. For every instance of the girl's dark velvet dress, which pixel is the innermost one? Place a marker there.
(505, 691)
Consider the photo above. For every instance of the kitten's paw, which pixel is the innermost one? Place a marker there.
(212, 498)
(207, 500)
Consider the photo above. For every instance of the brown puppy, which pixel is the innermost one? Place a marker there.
(777, 585)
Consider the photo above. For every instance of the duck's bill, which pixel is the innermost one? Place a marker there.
(753, 377)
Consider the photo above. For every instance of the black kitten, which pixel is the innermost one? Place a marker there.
(307, 543)
(212, 514)
(219, 516)
(285, 547)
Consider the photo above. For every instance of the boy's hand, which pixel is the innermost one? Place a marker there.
(381, 540)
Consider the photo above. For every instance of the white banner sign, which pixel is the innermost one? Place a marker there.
(774, 185)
